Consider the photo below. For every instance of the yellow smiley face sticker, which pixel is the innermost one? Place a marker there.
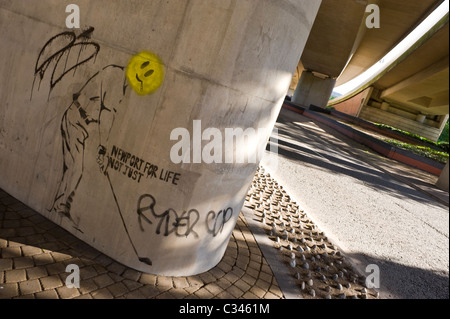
(145, 73)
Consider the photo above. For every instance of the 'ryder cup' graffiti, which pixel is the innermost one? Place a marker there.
(182, 225)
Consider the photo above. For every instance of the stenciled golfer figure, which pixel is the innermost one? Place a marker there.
(95, 104)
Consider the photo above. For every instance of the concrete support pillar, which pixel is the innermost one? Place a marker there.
(384, 106)
(421, 118)
(313, 90)
(113, 140)
(443, 180)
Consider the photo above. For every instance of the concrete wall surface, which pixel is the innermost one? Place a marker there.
(86, 117)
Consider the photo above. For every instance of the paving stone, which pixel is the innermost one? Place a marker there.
(48, 294)
(116, 268)
(265, 276)
(56, 268)
(242, 285)
(36, 272)
(148, 279)
(276, 291)
(217, 272)
(3, 243)
(149, 291)
(235, 291)
(164, 282)
(136, 295)
(131, 274)
(249, 295)
(249, 279)
(213, 288)
(254, 265)
(43, 259)
(87, 286)
(180, 282)
(100, 269)
(31, 250)
(258, 291)
(225, 267)
(225, 295)
(58, 257)
(9, 290)
(6, 264)
(262, 284)
(102, 294)
(51, 282)
(131, 285)
(207, 277)
(23, 262)
(67, 293)
(118, 289)
(223, 283)
(15, 275)
(16, 242)
(88, 272)
(270, 295)
(30, 287)
(179, 293)
(11, 252)
(103, 280)
(231, 277)
(238, 272)
(203, 293)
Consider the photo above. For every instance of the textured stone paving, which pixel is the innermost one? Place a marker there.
(34, 254)
(320, 269)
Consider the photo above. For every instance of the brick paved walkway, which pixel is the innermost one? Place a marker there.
(35, 253)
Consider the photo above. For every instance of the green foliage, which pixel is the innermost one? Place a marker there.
(444, 136)
(441, 157)
(442, 144)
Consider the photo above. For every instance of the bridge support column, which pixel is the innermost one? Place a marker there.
(313, 90)
(121, 138)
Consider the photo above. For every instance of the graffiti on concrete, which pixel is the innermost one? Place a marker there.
(216, 222)
(136, 168)
(61, 57)
(92, 110)
(145, 73)
(182, 225)
(169, 221)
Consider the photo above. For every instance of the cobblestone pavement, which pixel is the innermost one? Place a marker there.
(35, 253)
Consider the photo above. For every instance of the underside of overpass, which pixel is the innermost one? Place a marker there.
(413, 95)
